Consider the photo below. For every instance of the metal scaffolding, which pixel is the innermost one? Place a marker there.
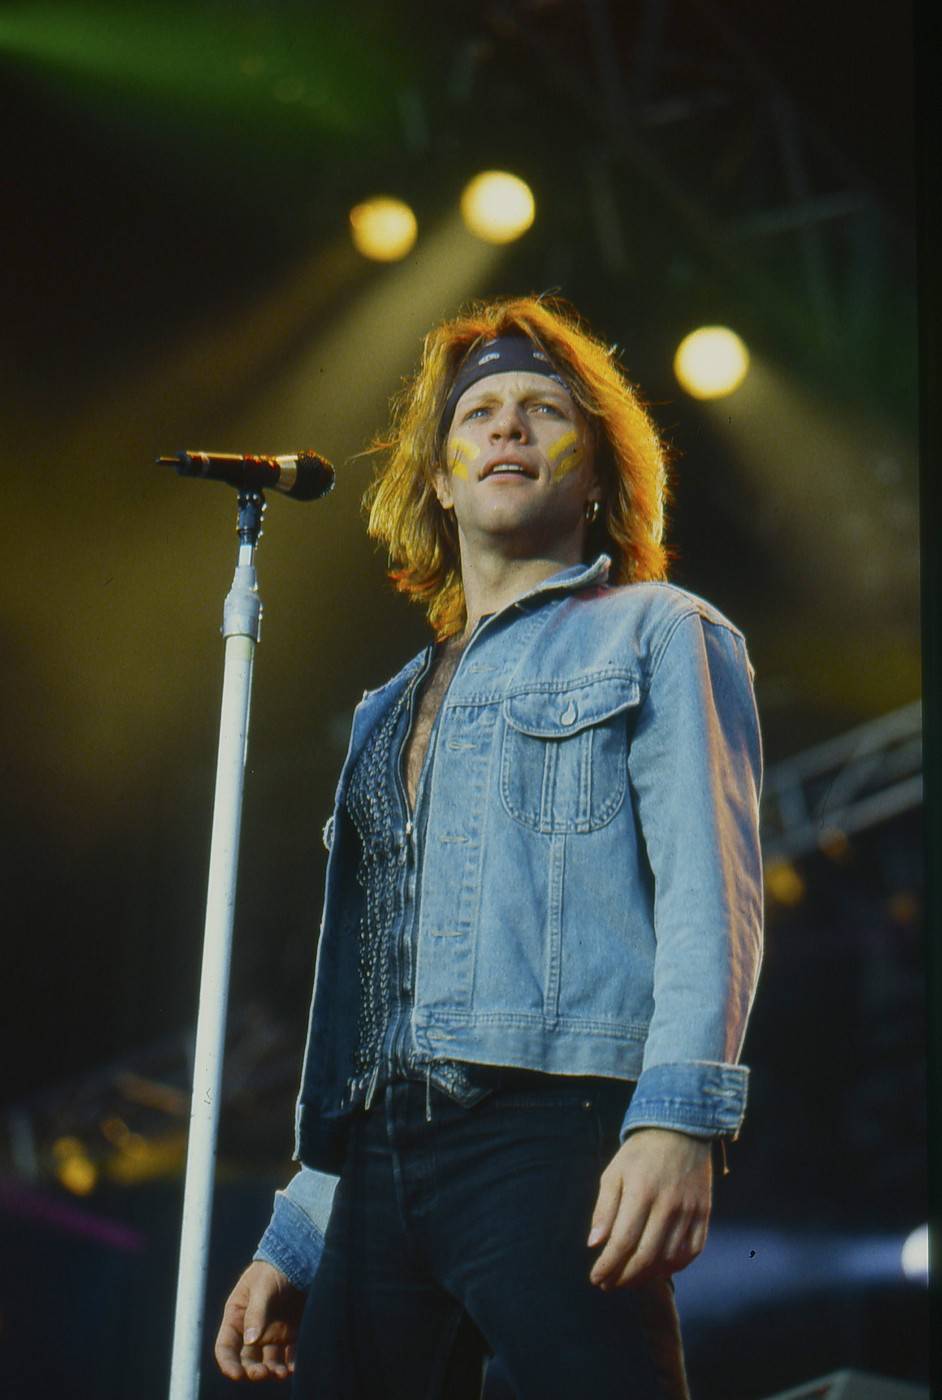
(746, 181)
(854, 781)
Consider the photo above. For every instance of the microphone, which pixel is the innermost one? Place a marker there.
(304, 476)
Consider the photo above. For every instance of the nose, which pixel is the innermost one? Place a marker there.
(508, 424)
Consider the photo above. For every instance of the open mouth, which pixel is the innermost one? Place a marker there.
(507, 468)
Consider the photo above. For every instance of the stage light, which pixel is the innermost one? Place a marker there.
(115, 1130)
(915, 1255)
(383, 228)
(783, 882)
(147, 1159)
(497, 207)
(76, 1172)
(711, 362)
(835, 844)
(903, 907)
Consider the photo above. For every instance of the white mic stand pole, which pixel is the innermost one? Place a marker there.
(241, 619)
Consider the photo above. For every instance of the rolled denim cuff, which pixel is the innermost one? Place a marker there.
(292, 1242)
(702, 1098)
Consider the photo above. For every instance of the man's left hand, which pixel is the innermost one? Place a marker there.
(653, 1207)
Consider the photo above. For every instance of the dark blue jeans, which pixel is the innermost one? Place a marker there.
(464, 1238)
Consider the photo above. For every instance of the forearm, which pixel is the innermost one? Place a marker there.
(696, 772)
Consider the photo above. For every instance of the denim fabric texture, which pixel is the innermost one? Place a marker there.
(589, 888)
(481, 1217)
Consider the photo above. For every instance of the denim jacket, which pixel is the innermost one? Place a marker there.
(590, 888)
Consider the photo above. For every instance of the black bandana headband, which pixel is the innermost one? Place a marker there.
(501, 356)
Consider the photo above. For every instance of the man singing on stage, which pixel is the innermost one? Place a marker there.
(542, 921)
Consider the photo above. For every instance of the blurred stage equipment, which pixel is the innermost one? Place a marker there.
(497, 206)
(854, 1385)
(383, 228)
(812, 801)
(711, 362)
(241, 622)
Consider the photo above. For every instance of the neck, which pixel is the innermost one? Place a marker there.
(491, 582)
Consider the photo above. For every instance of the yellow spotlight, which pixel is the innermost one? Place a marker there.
(711, 362)
(115, 1130)
(146, 1159)
(783, 882)
(75, 1170)
(497, 207)
(383, 228)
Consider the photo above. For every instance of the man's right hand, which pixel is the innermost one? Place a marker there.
(259, 1326)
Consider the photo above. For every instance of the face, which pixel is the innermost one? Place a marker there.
(519, 462)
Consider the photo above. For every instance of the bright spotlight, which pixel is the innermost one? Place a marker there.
(75, 1170)
(783, 882)
(497, 207)
(915, 1256)
(711, 362)
(383, 228)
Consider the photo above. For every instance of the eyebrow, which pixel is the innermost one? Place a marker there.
(552, 391)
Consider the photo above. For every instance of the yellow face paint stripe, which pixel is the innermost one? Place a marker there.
(562, 445)
(569, 453)
(463, 447)
(462, 452)
(568, 464)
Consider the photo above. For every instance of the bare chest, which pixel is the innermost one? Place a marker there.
(427, 707)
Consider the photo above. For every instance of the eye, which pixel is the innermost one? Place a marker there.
(549, 408)
(473, 413)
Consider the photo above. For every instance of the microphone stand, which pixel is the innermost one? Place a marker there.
(241, 622)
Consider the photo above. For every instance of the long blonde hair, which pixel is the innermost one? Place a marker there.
(422, 538)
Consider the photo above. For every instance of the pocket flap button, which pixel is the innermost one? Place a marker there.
(568, 715)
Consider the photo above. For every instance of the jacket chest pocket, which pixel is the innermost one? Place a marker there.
(564, 755)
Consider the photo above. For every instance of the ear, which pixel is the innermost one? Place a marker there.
(441, 485)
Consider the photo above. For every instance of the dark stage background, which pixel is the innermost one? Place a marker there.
(178, 273)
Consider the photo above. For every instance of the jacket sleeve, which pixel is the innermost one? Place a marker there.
(695, 767)
(294, 1238)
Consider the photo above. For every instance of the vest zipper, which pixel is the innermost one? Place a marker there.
(372, 1089)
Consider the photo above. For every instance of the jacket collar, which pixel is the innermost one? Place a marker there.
(569, 579)
(377, 703)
